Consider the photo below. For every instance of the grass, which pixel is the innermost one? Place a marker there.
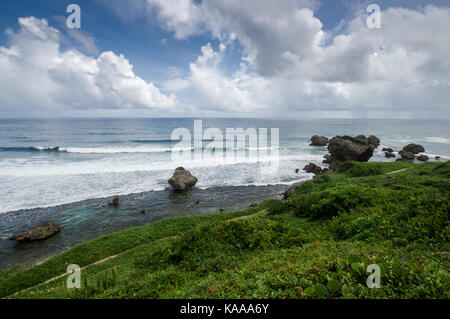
(317, 244)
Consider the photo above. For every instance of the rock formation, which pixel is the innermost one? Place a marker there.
(182, 179)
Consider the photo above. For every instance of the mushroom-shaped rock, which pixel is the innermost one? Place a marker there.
(39, 232)
(414, 148)
(349, 149)
(182, 179)
(317, 140)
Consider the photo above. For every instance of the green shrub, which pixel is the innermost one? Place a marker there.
(333, 201)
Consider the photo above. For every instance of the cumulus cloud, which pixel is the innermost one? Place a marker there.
(37, 74)
(291, 62)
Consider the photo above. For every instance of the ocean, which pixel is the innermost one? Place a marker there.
(66, 170)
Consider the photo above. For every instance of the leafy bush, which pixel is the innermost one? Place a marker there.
(333, 201)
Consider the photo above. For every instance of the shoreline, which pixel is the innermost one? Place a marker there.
(93, 218)
(316, 229)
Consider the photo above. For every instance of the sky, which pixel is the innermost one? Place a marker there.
(225, 58)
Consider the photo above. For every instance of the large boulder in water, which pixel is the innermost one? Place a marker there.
(182, 179)
(349, 149)
(317, 140)
(414, 148)
(39, 232)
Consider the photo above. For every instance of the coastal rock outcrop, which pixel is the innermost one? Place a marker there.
(414, 148)
(389, 155)
(373, 140)
(388, 150)
(407, 155)
(317, 140)
(313, 168)
(423, 158)
(39, 232)
(182, 179)
(327, 159)
(349, 149)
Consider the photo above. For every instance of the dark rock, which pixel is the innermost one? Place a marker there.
(361, 137)
(423, 158)
(115, 202)
(343, 149)
(313, 168)
(143, 211)
(407, 155)
(437, 158)
(327, 159)
(334, 166)
(317, 140)
(222, 210)
(290, 191)
(182, 179)
(414, 148)
(373, 140)
(39, 232)
(389, 155)
(197, 202)
(297, 170)
(388, 150)
(253, 205)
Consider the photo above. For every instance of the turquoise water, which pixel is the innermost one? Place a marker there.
(70, 167)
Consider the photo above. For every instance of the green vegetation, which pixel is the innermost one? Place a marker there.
(317, 244)
(353, 139)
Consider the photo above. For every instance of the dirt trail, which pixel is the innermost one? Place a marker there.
(399, 171)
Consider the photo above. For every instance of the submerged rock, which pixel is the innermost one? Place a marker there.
(182, 179)
(388, 150)
(317, 140)
(414, 148)
(39, 232)
(115, 202)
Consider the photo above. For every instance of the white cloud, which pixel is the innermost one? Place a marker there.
(404, 66)
(37, 74)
